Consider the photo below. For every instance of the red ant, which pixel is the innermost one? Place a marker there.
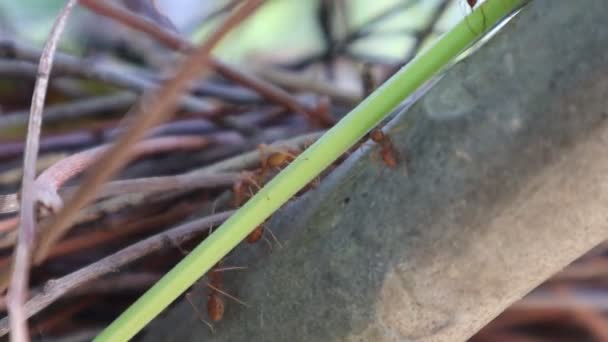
(241, 186)
(276, 159)
(240, 196)
(271, 159)
(215, 303)
(387, 151)
(256, 234)
(216, 306)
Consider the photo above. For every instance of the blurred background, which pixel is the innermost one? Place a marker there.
(321, 43)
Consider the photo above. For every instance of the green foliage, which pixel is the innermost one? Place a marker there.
(31, 18)
(273, 27)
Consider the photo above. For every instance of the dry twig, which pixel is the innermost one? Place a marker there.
(54, 289)
(18, 290)
(155, 109)
(53, 178)
(174, 41)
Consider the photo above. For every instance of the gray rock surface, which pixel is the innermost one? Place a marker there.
(506, 183)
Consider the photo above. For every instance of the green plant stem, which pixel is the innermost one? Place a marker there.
(306, 167)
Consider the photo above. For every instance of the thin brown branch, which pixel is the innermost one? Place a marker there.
(591, 319)
(85, 334)
(9, 224)
(212, 175)
(65, 169)
(126, 78)
(51, 179)
(8, 241)
(74, 110)
(147, 220)
(116, 231)
(291, 80)
(129, 226)
(116, 204)
(174, 41)
(18, 59)
(168, 183)
(119, 283)
(149, 10)
(18, 290)
(252, 158)
(8, 204)
(61, 316)
(68, 65)
(49, 182)
(235, 164)
(55, 289)
(148, 185)
(154, 110)
(268, 90)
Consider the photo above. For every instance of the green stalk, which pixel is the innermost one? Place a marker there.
(306, 167)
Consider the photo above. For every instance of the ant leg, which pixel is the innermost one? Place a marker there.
(216, 289)
(199, 314)
(268, 243)
(274, 237)
(230, 268)
(171, 242)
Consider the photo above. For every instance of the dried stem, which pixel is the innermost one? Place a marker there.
(72, 66)
(18, 290)
(61, 316)
(54, 177)
(74, 110)
(148, 185)
(300, 82)
(213, 175)
(48, 183)
(55, 289)
(146, 220)
(174, 41)
(8, 204)
(69, 65)
(9, 224)
(168, 183)
(251, 158)
(119, 283)
(20, 58)
(154, 110)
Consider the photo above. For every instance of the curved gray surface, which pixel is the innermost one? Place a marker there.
(506, 183)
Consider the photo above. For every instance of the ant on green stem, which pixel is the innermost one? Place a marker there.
(216, 306)
(387, 149)
(215, 303)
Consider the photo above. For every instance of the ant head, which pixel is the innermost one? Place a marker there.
(256, 234)
(377, 135)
